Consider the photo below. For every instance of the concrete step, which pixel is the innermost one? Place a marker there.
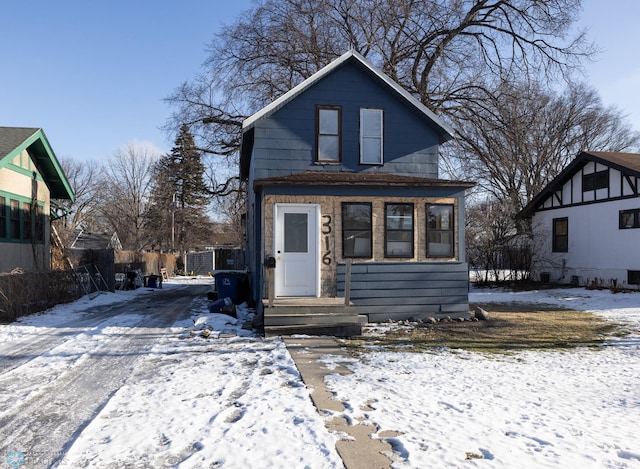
(337, 329)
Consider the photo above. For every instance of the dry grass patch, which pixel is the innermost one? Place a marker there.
(509, 328)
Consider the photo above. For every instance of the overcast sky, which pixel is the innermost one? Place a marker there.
(93, 74)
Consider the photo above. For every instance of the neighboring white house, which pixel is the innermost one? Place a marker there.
(586, 222)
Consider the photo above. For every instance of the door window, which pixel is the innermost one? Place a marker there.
(295, 232)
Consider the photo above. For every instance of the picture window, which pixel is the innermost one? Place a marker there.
(356, 230)
(440, 233)
(398, 230)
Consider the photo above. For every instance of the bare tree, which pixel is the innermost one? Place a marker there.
(127, 183)
(84, 177)
(447, 53)
(514, 142)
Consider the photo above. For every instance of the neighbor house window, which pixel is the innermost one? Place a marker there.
(356, 230)
(440, 234)
(594, 181)
(633, 277)
(39, 223)
(328, 123)
(3, 217)
(398, 230)
(371, 130)
(14, 227)
(26, 220)
(560, 234)
(629, 219)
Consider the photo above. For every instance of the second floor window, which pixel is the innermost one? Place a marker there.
(328, 133)
(371, 132)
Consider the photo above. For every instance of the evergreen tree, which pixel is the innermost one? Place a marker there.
(180, 197)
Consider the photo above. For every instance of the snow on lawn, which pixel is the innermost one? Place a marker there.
(230, 399)
(236, 400)
(452, 408)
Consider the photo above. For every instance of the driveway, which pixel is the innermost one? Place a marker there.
(53, 385)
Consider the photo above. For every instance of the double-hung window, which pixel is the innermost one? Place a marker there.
(440, 234)
(560, 241)
(27, 222)
(398, 230)
(39, 224)
(14, 226)
(3, 217)
(371, 132)
(328, 124)
(356, 230)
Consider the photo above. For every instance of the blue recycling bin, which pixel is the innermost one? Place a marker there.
(152, 282)
(228, 285)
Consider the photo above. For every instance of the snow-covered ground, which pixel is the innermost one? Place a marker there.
(236, 400)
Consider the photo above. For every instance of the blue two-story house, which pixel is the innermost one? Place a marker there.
(344, 199)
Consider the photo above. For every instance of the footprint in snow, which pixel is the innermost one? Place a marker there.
(182, 456)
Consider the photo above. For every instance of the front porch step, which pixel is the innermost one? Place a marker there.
(304, 317)
(336, 330)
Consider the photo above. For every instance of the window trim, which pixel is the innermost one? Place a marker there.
(556, 237)
(411, 230)
(338, 109)
(362, 136)
(450, 230)
(344, 230)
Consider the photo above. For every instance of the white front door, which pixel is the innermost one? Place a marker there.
(296, 239)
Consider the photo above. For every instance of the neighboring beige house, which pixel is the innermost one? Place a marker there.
(30, 176)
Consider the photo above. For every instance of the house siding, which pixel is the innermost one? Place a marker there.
(396, 290)
(285, 141)
(19, 180)
(598, 251)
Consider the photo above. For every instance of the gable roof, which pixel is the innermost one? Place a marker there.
(442, 128)
(628, 163)
(14, 140)
(86, 240)
(444, 131)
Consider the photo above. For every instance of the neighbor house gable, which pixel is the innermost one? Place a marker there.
(15, 141)
(591, 177)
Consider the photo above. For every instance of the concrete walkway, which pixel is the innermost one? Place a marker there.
(359, 451)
